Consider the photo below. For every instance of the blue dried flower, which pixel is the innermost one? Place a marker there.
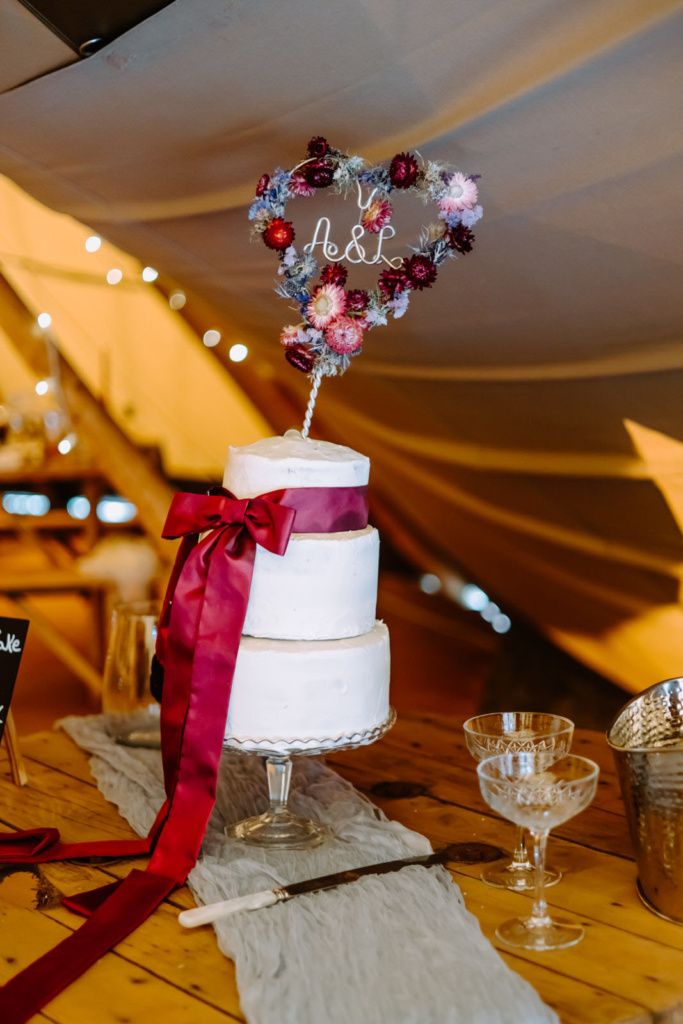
(257, 207)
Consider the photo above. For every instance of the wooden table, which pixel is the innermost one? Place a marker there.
(629, 968)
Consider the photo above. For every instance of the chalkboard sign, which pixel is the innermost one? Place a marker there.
(12, 639)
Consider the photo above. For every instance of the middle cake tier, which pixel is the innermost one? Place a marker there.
(323, 588)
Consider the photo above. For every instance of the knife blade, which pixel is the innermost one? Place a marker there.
(258, 900)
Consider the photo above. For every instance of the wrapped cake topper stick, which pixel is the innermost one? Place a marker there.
(335, 318)
(316, 377)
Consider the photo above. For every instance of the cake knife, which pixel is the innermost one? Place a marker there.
(470, 853)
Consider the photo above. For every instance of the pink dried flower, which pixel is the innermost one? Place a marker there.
(289, 336)
(263, 183)
(377, 215)
(298, 186)
(327, 304)
(344, 335)
(461, 194)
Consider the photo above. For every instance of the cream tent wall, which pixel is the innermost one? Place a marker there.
(525, 419)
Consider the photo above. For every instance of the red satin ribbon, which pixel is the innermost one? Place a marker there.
(199, 634)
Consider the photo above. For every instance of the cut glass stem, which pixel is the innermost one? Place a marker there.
(517, 872)
(277, 828)
(539, 931)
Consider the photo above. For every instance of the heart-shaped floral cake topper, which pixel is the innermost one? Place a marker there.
(334, 320)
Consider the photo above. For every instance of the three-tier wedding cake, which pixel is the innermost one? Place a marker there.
(313, 663)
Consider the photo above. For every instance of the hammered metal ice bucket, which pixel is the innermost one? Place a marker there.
(646, 739)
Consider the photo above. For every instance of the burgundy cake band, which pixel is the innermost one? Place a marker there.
(198, 642)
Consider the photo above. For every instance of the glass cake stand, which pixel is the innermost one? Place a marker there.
(278, 828)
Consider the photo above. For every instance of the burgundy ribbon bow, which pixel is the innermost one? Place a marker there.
(198, 642)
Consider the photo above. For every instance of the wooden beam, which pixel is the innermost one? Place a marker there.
(59, 645)
(119, 460)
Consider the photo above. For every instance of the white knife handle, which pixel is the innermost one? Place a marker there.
(214, 911)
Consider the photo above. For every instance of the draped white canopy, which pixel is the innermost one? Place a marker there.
(524, 417)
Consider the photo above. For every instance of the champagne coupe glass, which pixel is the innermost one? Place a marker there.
(512, 732)
(127, 700)
(528, 790)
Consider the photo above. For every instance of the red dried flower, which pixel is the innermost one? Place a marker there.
(403, 170)
(318, 146)
(356, 300)
(263, 183)
(300, 358)
(279, 234)
(420, 271)
(319, 174)
(392, 282)
(460, 238)
(334, 273)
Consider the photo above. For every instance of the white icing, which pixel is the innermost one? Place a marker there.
(316, 690)
(324, 587)
(292, 461)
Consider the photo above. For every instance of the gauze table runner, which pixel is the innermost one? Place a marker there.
(388, 949)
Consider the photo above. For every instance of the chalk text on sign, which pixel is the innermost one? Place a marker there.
(11, 645)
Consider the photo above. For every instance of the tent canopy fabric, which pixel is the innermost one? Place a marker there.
(524, 418)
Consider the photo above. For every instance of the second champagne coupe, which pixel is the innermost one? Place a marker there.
(539, 796)
(513, 732)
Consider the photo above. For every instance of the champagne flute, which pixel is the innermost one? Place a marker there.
(537, 795)
(504, 732)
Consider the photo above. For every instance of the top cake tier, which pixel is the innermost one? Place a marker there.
(292, 461)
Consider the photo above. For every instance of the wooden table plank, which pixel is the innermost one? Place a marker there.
(628, 969)
(160, 968)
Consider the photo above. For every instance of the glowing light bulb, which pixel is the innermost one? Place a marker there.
(490, 612)
(150, 274)
(473, 598)
(42, 387)
(238, 353)
(112, 509)
(429, 583)
(114, 276)
(44, 320)
(177, 300)
(78, 507)
(64, 446)
(211, 338)
(502, 623)
(93, 243)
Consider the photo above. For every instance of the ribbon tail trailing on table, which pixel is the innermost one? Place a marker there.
(199, 635)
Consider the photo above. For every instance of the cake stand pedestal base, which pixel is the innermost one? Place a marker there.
(278, 828)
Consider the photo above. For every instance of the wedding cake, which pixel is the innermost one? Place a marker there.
(313, 663)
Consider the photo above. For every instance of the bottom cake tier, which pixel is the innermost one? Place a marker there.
(308, 693)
